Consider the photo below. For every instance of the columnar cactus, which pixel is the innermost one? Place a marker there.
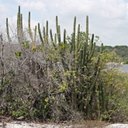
(7, 30)
(75, 56)
(40, 34)
(19, 26)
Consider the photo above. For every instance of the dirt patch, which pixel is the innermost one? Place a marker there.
(90, 124)
(76, 124)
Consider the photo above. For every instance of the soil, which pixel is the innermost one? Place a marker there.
(76, 124)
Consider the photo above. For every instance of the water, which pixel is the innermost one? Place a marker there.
(123, 68)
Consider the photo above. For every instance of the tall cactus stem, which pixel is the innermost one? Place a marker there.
(78, 38)
(7, 30)
(59, 34)
(87, 29)
(35, 33)
(64, 38)
(46, 32)
(21, 25)
(73, 35)
(51, 35)
(40, 34)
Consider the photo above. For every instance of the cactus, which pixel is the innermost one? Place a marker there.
(52, 39)
(78, 38)
(58, 32)
(87, 29)
(44, 33)
(35, 33)
(64, 38)
(51, 35)
(29, 26)
(40, 34)
(46, 37)
(74, 56)
(73, 36)
(7, 30)
(19, 26)
(55, 38)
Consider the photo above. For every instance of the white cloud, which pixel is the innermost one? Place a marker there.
(113, 8)
(108, 18)
(3, 8)
(104, 8)
(32, 4)
(74, 5)
(3, 12)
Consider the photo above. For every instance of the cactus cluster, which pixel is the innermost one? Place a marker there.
(80, 74)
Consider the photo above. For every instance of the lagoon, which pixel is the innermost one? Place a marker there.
(123, 68)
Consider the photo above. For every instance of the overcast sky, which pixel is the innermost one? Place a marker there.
(108, 18)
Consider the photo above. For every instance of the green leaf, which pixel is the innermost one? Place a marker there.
(25, 44)
(18, 54)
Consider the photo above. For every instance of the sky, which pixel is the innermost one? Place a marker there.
(108, 19)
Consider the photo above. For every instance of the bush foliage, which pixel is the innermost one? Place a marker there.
(46, 77)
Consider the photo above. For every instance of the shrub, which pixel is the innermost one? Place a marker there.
(44, 77)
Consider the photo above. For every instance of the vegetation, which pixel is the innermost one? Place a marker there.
(121, 51)
(47, 77)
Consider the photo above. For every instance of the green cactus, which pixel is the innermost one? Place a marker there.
(19, 25)
(46, 37)
(7, 30)
(58, 31)
(52, 39)
(78, 38)
(40, 34)
(29, 26)
(35, 33)
(44, 33)
(74, 56)
(87, 29)
(73, 36)
(51, 35)
(59, 34)
(64, 38)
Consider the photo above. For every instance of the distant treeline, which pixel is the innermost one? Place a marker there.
(121, 51)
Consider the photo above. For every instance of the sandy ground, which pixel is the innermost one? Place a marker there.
(117, 125)
(22, 124)
(7, 123)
